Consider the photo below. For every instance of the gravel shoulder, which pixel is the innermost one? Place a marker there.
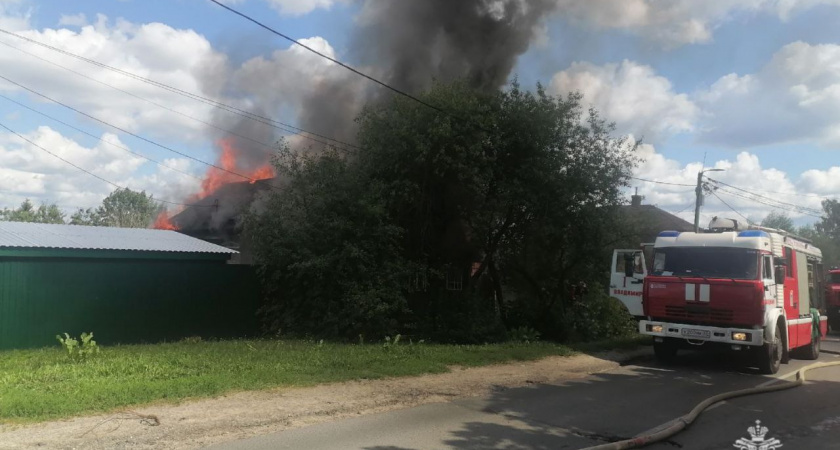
(195, 424)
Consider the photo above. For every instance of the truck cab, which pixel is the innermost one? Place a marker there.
(750, 290)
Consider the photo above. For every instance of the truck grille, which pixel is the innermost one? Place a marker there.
(699, 312)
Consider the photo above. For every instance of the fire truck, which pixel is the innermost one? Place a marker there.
(753, 290)
(832, 298)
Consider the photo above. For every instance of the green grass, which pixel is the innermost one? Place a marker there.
(42, 384)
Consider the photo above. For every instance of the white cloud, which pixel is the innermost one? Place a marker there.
(178, 58)
(630, 94)
(301, 7)
(27, 171)
(73, 20)
(794, 98)
(672, 23)
(13, 15)
(744, 171)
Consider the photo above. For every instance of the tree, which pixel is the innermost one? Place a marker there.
(27, 212)
(779, 221)
(85, 217)
(122, 208)
(519, 183)
(328, 257)
(826, 233)
(454, 224)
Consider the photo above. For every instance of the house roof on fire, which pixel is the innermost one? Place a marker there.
(214, 210)
(22, 235)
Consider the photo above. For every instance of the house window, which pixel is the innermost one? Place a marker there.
(418, 282)
(454, 280)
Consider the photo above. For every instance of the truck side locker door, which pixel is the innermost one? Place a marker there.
(628, 290)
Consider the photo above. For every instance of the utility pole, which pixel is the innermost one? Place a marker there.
(699, 197)
(698, 191)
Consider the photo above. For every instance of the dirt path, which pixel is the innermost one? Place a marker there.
(195, 424)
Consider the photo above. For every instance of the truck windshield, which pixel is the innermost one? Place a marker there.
(709, 262)
(834, 278)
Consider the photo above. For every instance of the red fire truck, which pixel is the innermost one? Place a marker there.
(832, 298)
(754, 290)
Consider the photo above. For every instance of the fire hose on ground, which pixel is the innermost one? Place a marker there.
(673, 427)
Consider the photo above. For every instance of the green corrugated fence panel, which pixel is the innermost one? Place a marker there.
(124, 301)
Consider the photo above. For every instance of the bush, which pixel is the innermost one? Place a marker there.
(77, 351)
(598, 316)
(523, 334)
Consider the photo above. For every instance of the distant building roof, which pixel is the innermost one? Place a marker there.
(657, 218)
(54, 236)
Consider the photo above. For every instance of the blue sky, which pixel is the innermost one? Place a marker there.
(751, 85)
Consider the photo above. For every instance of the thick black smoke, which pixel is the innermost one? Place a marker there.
(413, 43)
(406, 43)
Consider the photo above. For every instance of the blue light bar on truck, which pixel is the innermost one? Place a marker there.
(669, 234)
(753, 233)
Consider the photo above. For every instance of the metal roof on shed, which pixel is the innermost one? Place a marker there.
(55, 236)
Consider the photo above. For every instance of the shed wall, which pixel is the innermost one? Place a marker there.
(123, 300)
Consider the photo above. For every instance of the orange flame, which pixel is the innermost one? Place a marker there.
(216, 178)
(163, 223)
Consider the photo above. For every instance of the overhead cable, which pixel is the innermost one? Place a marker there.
(98, 177)
(123, 130)
(288, 128)
(329, 58)
(100, 138)
(660, 182)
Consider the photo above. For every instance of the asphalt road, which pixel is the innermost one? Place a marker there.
(598, 409)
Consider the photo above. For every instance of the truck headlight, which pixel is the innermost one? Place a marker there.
(739, 336)
(654, 328)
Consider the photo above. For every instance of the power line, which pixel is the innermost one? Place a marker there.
(791, 210)
(763, 197)
(269, 146)
(686, 207)
(329, 58)
(131, 133)
(83, 169)
(773, 203)
(288, 128)
(101, 139)
(733, 209)
(654, 181)
(776, 192)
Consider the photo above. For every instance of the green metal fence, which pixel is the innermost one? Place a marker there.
(124, 300)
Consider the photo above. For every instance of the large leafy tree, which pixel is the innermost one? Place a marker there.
(519, 184)
(826, 233)
(779, 221)
(497, 202)
(27, 212)
(328, 256)
(122, 208)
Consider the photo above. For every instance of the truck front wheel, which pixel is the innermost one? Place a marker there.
(770, 354)
(665, 351)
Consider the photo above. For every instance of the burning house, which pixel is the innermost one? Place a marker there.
(325, 99)
(216, 213)
(218, 217)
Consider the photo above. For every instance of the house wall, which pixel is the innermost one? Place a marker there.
(124, 300)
